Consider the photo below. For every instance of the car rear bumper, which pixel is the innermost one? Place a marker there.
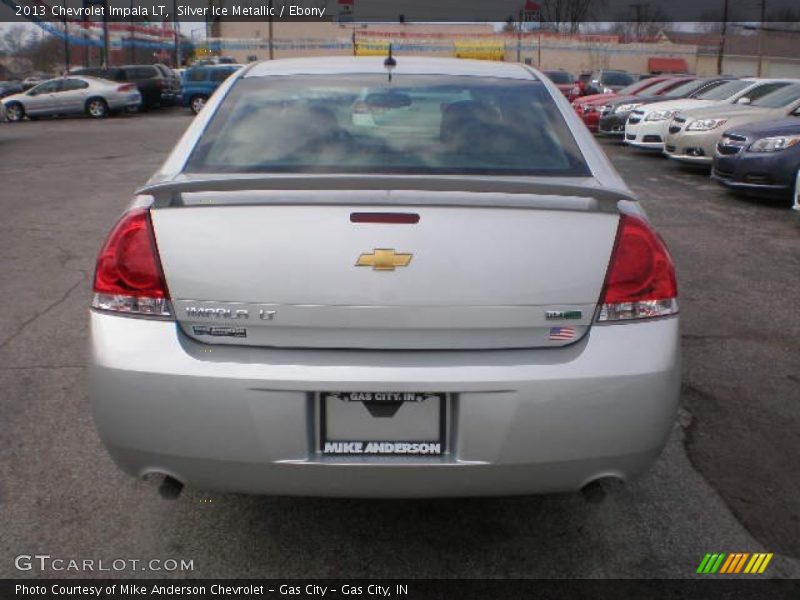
(520, 421)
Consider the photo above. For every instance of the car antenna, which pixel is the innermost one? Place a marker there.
(390, 63)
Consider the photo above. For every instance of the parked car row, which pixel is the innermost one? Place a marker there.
(99, 92)
(745, 131)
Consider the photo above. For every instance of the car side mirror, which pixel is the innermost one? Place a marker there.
(743, 100)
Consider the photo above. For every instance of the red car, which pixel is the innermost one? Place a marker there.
(588, 107)
(564, 80)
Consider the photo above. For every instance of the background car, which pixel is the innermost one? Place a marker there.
(154, 83)
(647, 126)
(761, 158)
(200, 82)
(692, 136)
(72, 95)
(563, 80)
(579, 89)
(606, 81)
(171, 93)
(10, 87)
(796, 205)
(33, 80)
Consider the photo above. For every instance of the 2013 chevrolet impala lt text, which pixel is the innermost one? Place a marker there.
(359, 278)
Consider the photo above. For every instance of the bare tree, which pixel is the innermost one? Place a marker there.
(567, 15)
(640, 23)
(14, 40)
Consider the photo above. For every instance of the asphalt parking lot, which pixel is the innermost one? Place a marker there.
(728, 480)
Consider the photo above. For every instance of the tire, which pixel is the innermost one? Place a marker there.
(15, 112)
(97, 108)
(197, 103)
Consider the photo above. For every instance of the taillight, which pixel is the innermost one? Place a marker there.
(128, 277)
(640, 283)
(127, 87)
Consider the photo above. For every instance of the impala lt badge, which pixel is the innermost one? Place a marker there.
(384, 259)
(217, 313)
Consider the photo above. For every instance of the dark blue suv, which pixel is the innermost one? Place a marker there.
(200, 82)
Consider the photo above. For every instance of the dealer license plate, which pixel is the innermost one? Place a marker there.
(382, 423)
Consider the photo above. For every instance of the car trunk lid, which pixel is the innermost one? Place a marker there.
(473, 270)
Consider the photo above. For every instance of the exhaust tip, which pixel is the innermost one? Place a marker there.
(595, 491)
(170, 488)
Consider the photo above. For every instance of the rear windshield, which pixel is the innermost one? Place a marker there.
(415, 124)
(196, 75)
(725, 90)
(663, 86)
(142, 72)
(221, 74)
(639, 86)
(780, 98)
(686, 88)
(616, 78)
(559, 76)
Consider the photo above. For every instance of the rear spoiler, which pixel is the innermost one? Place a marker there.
(528, 192)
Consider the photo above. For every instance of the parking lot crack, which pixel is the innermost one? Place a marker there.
(42, 312)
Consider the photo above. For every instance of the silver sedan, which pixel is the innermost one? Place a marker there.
(354, 280)
(72, 95)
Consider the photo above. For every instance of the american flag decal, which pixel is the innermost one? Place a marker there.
(562, 333)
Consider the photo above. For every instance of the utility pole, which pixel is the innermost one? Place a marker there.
(176, 30)
(539, 44)
(761, 38)
(721, 51)
(269, 27)
(519, 38)
(106, 41)
(66, 40)
(131, 41)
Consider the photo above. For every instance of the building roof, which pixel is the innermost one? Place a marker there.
(413, 65)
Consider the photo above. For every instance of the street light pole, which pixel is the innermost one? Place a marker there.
(761, 38)
(721, 50)
(269, 29)
(176, 30)
(131, 48)
(66, 40)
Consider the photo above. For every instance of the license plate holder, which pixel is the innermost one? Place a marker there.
(382, 423)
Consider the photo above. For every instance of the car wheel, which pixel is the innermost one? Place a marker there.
(97, 108)
(197, 103)
(15, 112)
(796, 199)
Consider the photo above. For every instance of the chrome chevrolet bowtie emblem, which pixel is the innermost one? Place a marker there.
(384, 259)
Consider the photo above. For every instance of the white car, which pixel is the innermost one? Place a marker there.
(72, 95)
(646, 128)
(796, 205)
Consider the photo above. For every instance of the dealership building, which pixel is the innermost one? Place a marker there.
(694, 53)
